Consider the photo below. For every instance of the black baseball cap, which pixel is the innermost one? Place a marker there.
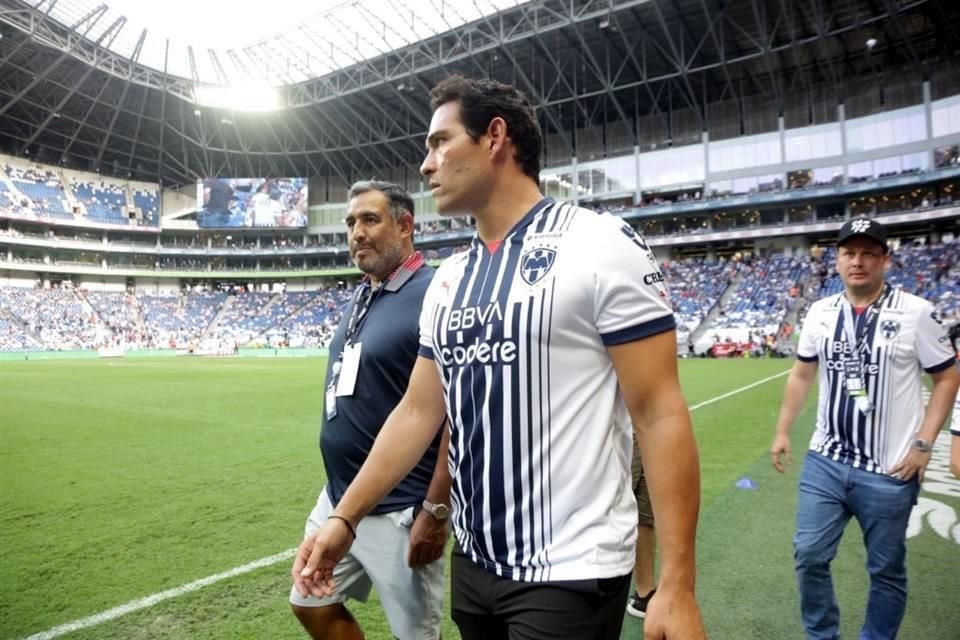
(864, 228)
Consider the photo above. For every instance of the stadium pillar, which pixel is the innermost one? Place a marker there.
(636, 173)
(575, 178)
(705, 140)
(842, 119)
(928, 117)
(781, 129)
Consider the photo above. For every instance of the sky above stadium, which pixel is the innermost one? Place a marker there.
(267, 42)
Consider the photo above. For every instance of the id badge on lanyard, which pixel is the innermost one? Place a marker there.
(343, 373)
(856, 384)
(343, 377)
(854, 377)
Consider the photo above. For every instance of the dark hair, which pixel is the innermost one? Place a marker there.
(483, 100)
(399, 200)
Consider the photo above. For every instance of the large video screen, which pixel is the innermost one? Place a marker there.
(252, 202)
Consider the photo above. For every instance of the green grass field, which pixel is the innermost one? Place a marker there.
(122, 479)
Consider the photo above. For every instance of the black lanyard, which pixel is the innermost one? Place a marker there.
(858, 341)
(362, 302)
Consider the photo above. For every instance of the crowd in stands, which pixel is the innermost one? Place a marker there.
(696, 285)
(767, 291)
(741, 300)
(63, 318)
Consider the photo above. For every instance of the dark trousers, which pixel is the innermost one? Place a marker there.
(488, 607)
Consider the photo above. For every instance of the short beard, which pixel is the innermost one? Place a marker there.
(385, 263)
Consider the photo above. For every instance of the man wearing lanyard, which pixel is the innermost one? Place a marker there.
(873, 437)
(399, 548)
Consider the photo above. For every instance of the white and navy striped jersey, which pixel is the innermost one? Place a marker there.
(540, 448)
(906, 339)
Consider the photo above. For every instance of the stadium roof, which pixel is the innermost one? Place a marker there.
(277, 42)
(652, 72)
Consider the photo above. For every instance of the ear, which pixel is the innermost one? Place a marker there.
(405, 222)
(497, 136)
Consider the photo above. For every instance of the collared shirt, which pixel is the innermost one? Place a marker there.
(388, 336)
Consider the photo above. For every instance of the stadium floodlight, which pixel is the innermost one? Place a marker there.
(251, 97)
(871, 43)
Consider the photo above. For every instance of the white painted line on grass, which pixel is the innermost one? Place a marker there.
(149, 601)
(740, 390)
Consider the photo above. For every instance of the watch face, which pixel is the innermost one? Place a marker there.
(441, 512)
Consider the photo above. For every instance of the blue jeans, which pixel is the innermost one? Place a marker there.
(830, 493)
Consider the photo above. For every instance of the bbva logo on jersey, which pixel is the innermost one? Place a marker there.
(536, 263)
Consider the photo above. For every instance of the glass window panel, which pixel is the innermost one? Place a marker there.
(884, 134)
(916, 162)
(918, 127)
(860, 171)
(941, 122)
(672, 166)
(832, 142)
(557, 184)
(828, 175)
(721, 188)
(854, 137)
(886, 166)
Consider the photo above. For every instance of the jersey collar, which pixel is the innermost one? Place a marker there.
(399, 276)
(521, 224)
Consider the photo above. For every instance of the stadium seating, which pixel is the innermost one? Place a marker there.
(105, 202)
(761, 299)
(149, 204)
(695, 286)
(758, 296)
(42, 188)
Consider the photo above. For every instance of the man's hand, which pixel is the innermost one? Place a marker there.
(914, 463)
(780, 447)
(317, 556)
(428, 537)
(673, 615)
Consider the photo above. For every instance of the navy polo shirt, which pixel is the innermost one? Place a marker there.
(390, 337)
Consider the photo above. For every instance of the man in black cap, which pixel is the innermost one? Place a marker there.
(873, 437)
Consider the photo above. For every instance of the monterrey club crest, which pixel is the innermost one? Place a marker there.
(535, 264)
(889, 329)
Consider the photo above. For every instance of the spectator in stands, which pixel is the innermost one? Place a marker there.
(478, 359)
(399, 547)
(873, 441)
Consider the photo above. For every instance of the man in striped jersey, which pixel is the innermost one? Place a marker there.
(873, 437)
(541, 343)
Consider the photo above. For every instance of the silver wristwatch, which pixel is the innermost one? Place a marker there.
(439, 511)
(923, 446)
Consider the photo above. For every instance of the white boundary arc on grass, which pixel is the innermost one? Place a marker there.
(196, 585)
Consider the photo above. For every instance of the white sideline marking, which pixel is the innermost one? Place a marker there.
(740, 390)
(149, 601)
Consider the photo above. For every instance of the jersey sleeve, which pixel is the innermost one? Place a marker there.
(934, 349)
(630, 297)
(427, 316)
(807, 343)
